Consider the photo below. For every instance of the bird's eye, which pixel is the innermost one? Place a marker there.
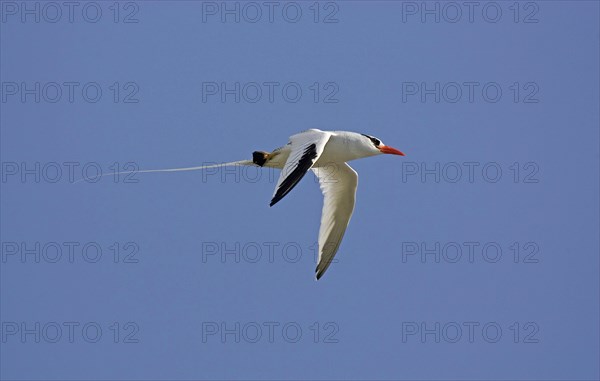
(375, 141)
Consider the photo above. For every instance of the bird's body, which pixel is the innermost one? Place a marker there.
(315, 149)
(341, 147)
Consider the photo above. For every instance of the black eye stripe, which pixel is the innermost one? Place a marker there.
(375, 141)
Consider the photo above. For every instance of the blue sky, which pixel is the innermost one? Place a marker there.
(473, 257)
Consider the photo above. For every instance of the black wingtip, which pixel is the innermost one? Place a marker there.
(304, 164)
(319, 274)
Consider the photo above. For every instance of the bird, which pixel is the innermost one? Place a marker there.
(326, 154)
(330, 150)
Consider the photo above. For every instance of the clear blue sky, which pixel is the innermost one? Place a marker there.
(521, 302)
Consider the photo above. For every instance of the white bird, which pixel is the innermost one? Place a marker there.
(327, 154)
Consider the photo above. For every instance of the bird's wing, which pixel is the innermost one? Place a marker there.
(306, 147)
(339, 193)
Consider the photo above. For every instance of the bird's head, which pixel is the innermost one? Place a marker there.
(378, 147)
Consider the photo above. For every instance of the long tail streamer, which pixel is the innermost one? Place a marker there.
(241, 162)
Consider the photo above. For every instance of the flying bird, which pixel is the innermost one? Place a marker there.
(326, 153)
(331, 150)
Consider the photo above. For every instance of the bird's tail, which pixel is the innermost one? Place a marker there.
(260, 157)
(199, 168)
